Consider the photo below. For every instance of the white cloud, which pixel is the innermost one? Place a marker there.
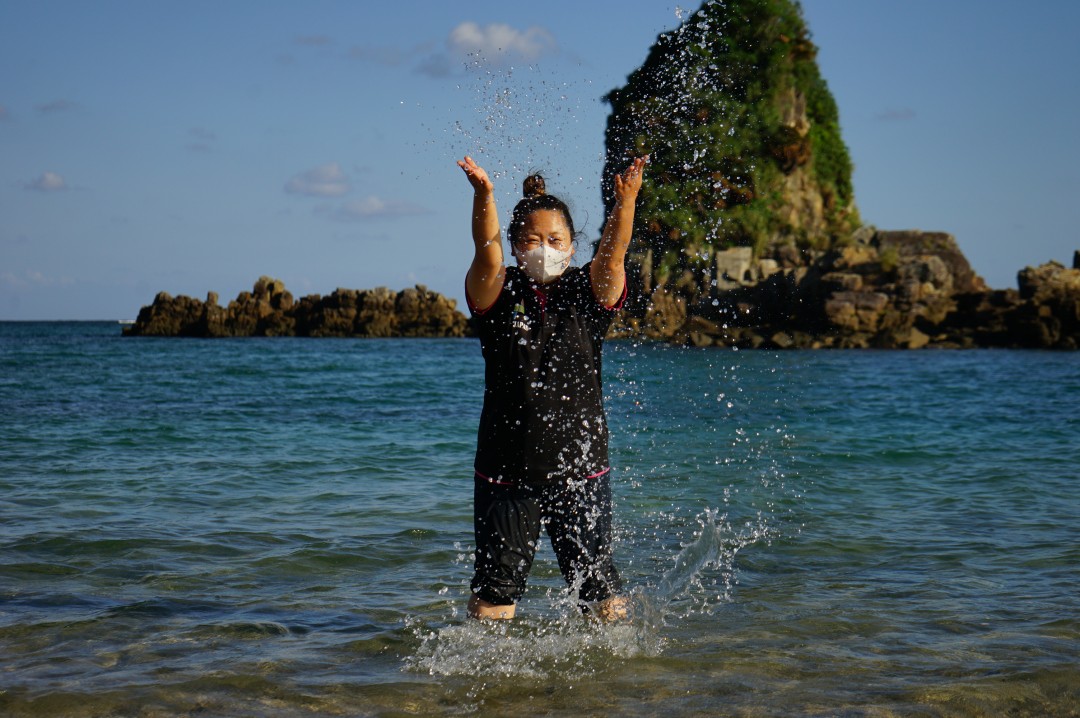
(496, 44)
(373, 207)
(324, 181)
(496, 41)
(48, 182)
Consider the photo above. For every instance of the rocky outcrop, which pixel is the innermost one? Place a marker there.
(747, 233)
(1043, 313)
(270, 310)
(744, 142)
(883, 289)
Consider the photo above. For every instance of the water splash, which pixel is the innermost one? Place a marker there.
(702, 575)
(541, 644)
(525, 119)
(520, 115)
(688, 541)
(559, 641)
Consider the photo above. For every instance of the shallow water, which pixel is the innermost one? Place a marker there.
(283, 527)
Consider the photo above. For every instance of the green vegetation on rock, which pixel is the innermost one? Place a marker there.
(743, 134)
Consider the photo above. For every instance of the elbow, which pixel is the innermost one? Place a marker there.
(610, 268)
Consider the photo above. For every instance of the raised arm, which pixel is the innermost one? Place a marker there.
(608, 271)
(484, 280)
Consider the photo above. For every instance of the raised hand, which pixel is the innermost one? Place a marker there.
(628, 183)
(486, 273)
(607, 271)
(478, 177)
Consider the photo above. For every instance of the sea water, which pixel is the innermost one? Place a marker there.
(281, 527)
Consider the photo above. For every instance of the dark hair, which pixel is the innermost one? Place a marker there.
(536, 198)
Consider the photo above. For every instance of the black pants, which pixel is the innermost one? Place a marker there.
(507, 521)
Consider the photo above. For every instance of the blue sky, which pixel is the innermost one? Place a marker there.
(194, 146)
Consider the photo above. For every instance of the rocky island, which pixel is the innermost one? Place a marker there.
(269, 310)
(747, 233)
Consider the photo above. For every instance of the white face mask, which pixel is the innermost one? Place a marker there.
(543, 263)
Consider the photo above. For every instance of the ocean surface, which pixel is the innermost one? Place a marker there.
(282, 527)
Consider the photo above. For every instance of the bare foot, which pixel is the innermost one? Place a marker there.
(616, 608)
(481, 609)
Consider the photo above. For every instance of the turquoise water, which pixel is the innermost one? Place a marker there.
(283, 527)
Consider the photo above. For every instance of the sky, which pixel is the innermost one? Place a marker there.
(194, 146)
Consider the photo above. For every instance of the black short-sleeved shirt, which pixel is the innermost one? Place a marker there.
(543, 418)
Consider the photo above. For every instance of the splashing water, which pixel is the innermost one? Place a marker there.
(681, 561)
(537, 646)
(560, 642)
(690, 540)
(522, 118)
(713, 549)
(549, 638)
(525, 119)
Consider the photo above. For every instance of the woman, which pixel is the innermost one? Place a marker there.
(541, 456)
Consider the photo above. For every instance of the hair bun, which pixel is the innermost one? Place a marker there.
(533, 186)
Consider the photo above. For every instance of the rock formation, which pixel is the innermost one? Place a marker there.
(747, 233)
(270, 310)
(884, 289)
(744, 142)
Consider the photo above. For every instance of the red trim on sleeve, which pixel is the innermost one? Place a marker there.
(617, 305)
(622, 298)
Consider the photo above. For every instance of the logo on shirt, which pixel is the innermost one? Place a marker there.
(518, 320)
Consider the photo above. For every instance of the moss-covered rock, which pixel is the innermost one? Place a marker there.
(744, 140)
